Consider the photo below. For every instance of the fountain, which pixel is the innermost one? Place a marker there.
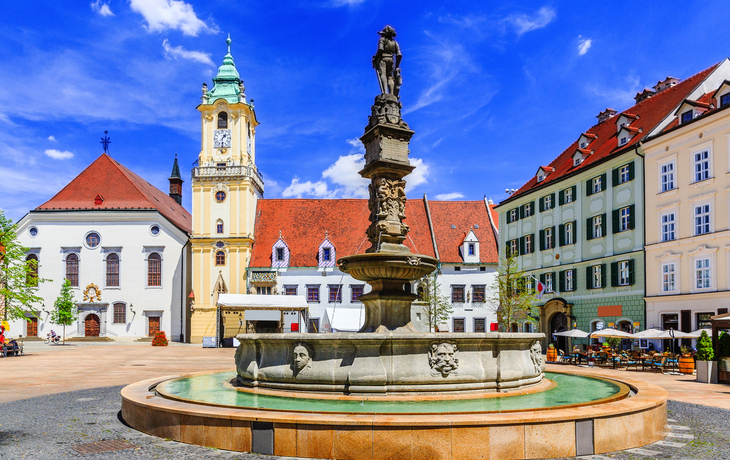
(389, 391)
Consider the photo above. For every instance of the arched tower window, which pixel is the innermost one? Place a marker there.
(72, 269)
(222, 120)
(154, 270)
(112, 270)
(219, 226)
(220, 258)
(31, 275)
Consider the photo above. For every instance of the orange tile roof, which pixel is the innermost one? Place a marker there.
(452, 221)
(120, 189)
(650, 112)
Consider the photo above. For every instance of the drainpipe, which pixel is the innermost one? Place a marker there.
(183, 297)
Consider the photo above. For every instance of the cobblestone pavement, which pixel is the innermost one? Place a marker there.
(46, 427)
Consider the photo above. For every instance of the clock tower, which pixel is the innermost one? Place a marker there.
(226, 187)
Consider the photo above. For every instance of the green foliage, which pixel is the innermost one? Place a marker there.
(18, 282)
(160, 340)
(724, 345)
(685, 350)
(438, 307)
(64, 309)
(510, 296)
(613, 342)
(704, 348)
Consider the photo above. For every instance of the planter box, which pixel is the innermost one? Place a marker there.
(707, 371)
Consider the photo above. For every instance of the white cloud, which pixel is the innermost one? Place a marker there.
(171, 14)
(346, 2)
(356, 144)
(344, 174)
(584, 44)
(449, 196)
(418, 176)
(524, 23)
(312, 189)
(59, 155)
(101, 8)
(180, 52)
(52, 138)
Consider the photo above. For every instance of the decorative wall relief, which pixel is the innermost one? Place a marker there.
(443, 359)
(536, 357)
(302, 357)
(92, 293)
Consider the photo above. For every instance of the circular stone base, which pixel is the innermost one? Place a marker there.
(597, 427)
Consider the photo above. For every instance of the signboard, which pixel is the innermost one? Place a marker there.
(599, 325)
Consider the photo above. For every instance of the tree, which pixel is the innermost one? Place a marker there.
(438, 307)
(704, 348)
(512, 294)
(18, 275)
(64, 309)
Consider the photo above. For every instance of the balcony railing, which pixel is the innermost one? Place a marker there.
(227, 171)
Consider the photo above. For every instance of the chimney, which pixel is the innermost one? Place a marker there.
(176, 183)
(606, 114)
(646, 94)
(666, 84)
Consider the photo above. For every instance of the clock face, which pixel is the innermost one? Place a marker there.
(222, 138)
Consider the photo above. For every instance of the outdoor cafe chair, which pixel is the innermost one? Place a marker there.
(659, 365)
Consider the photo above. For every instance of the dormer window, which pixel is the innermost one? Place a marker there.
(623, 140)
(625, 119)
(725, 100)
(470, 248)
(543, 172)
(687, 116)
(326, 254)
(540, 177)
(577, 161)
(583, 144)
(580, 155)
(280, 254)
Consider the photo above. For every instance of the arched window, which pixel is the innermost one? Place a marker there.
(154, 270)
(515, 327)
(219, 226)
(31, 274)
(72, 269)
(220, 258)
(120, 312)
(222, 120)
(112, 270)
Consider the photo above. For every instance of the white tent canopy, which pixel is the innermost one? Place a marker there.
(344, 319)
(645, 333)
(574, 333)
(696, 334)
(658, 334)
(610, 332)
(266, 302)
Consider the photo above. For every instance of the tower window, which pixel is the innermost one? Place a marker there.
(220, 197)
(72, 269)
(154, 270)
(220, 258)
(112, 270)
(219, 226)
(92, 240)
(222, 120)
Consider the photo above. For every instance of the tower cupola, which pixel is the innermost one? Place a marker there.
(176, 183)
(227, 84)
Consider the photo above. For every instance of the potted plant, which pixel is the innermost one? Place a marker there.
(724, 354)
(606, 347)
(613, 342)
(706, 368)
(686, 361)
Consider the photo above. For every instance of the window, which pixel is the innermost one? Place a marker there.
(528, 244)
(279, 254)
(549, 238)
(457, 294)
(703, 276)
(596, 277)
(312, 293)
(472, 249)
(480, 325)
(219, 227)
(702, 165)
(623, 174)
(72, 269)
(459, 324)
(31, 274)
(335, 293)
(356, 292)
(625, 219)
(527, 210)
(687, 116)
(546, 203)
(703, 320)
(112, 270)
(548, 282)
(623, 273)
(155, 230)
(220, 197)
(529, 287)
(724, 100)
(568, 195)
(120, 313)
(702, 219)
(512, 216)
(33, 231)
(154, 270)
(92, 240)
(569, 280)
(220, 258)
(478, 294)
(668, 225)
(326, 254)
(623, 140)
(569, 229)
(597, 226)
(668, 278)
(263, 290)
(222, 120)
(597, 184)
(513, 248)
(667, 171)
(313, 325)
(290, 289)
(220, 244)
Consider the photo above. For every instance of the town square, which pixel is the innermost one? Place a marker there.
(441, 232)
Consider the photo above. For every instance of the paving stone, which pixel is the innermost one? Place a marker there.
(680, 435)
(669, 444)
(644, 452)
(678, 427)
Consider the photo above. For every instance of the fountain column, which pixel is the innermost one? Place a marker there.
(388, 265)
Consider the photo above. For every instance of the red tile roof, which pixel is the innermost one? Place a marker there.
(650, 112)
(707, 101)
(121, 189)
(463, 216)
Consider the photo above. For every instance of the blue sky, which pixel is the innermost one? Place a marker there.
(492, 91)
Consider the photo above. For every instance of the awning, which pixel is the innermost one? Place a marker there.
(262, 302)
(344, 319)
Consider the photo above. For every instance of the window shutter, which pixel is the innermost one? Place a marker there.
(589, 229)
(542, 240)
(561, 235)
(521, 246)
(522, 211)
(554, 236)
(506, 217)
(603, 224)
(532, 237)
(631, 271)
(631, 171)
(614, 177)
(561, 198)
(575, 279)
(554, 280)
(589, 280)
(561, 281)
(552, 200)
(603, 275)
(603, 181)
(574, 231)
(542, 204)
(632, 218)
(575, 190)
(542, 278)
(589, 189)
(615, 217)
(614, 274)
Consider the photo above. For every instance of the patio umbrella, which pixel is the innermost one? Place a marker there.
(611, 332)
(696, 334)
(643, 334)
(573, 333)
(658, 334)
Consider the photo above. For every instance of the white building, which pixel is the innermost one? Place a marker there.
(123, 245)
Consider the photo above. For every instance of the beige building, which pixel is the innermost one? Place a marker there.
(226, 186)
(687, 217)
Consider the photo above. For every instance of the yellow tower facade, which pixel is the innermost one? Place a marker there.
(226, 186)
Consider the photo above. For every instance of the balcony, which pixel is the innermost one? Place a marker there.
(228, 172)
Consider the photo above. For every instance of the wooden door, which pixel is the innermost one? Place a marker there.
(154, 325)
(32, 327)
(92, 326)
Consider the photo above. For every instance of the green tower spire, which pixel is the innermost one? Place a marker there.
(227, 84)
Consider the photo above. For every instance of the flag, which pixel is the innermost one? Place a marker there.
(540, 290)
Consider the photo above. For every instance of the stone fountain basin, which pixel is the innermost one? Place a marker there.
(387, 266)
(379, 363)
